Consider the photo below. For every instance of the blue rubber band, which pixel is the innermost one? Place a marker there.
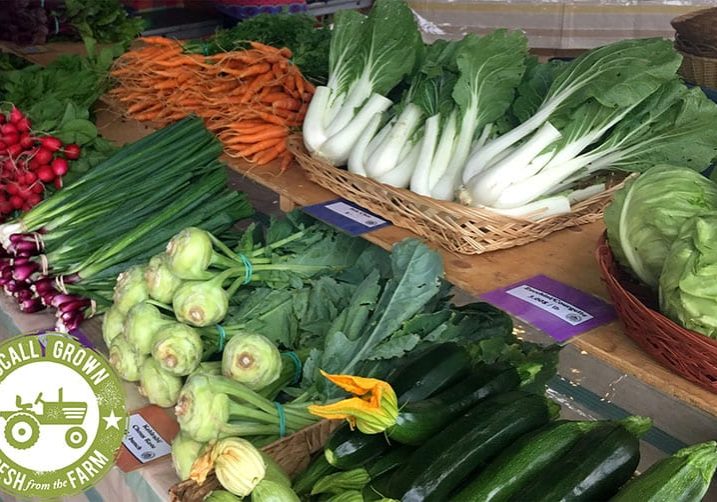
(248, 268)
(57, 26)
(222, 336)
(297, 366)
(282, 419)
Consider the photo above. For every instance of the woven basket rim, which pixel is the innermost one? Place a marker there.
(706, 59)
(602, 243)
(683, 351)
(473, 212)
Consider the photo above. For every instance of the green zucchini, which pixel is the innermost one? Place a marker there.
(683, 477)
(440, 465)
(416, 422)
(319, 467)
(595, 467)
(271, 491)
(274, 472)
(347, 449)
(520, 462)
(357, 479)
(347, 496)
(432, 371)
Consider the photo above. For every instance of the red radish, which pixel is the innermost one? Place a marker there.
(34, 164)
(58, 183)
(8, 128)
(30, 177)
(38, 187)
(14, 150)
(43, 156)
(23, 125)
(51, 143)
(16, 201)
(46, 174)
(27, 141)
(15, 115)
(72, 151)
(11, 139)
(12, 189)
(3, 146)
(59, 166)
(34, 199)
(2, 119)
(6, 207)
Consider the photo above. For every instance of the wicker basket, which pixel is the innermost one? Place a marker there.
(699, 70)
(685, 352)
(455, 227)
(697, 31)
(292, 453)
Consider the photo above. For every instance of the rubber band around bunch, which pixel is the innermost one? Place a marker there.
(222, 336)
(297, 366)
(282, 419)
(248, 268)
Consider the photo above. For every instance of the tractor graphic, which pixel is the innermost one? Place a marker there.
(22, 426)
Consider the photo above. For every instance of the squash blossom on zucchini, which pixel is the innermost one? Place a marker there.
(238, 465)
(373, 410)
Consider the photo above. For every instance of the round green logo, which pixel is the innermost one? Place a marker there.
(62, 416)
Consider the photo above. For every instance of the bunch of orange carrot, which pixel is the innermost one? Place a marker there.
(250, 99)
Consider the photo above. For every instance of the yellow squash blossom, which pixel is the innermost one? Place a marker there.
(373, 410)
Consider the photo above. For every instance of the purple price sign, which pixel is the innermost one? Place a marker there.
(559, 310)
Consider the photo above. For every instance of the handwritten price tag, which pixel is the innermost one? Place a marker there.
(559, 310)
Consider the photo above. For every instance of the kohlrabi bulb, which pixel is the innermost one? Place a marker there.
(200, 303)
(177, 348)
(158, 386)
(130, 289)
(126, 361)
(161, 282)
(189, 253)
(252, 360)
(141, 325)
(112, 325)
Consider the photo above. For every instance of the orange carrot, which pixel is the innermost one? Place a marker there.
(260, 146)
(271, 154)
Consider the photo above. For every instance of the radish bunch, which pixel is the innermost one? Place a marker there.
(28, 162)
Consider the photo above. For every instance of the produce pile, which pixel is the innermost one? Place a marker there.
(477, 120)
(239, 337)
(308, 43)
(661, 228)
(506, 448)
(37, 21)
(57, 101)
(28, 161)
(66, 251)
(249, 98)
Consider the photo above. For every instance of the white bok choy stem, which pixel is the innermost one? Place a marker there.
(400, 176)
(538, 210)
(357, 159)
(338, 147)
(314, 126)
(582, 194)
(386, 157)
(485, 188)
(420, 178)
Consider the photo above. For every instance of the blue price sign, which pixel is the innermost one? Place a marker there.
(347, 216)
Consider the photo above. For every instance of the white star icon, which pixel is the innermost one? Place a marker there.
(112, 420)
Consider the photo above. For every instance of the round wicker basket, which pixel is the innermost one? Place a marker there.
(685, 352)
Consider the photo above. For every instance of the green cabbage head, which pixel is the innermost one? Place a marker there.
(647, 214)
(688, 284)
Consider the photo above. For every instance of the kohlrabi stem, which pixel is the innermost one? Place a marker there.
(279, 243)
